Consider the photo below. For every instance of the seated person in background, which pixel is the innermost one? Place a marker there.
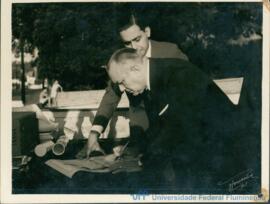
(46, 124)
(134, 35)
(56, 87)
(44, 97)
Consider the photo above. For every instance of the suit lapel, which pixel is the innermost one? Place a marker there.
(152, 48)
(158, 85)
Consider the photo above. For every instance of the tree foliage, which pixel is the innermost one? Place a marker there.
(23, 18)
(75, 40)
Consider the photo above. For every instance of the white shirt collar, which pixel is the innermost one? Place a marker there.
(148, 53)
(148, 75)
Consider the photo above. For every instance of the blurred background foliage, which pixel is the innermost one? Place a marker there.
(74, 40)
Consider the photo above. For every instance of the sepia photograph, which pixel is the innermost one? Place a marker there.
(153, 101)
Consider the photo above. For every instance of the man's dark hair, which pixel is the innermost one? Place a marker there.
(126, 19)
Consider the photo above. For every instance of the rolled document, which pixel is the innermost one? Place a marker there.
(42, 149)
(45, 137)
(60, 145)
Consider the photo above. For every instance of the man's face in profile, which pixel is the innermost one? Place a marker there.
(134, 37)
(132, 80)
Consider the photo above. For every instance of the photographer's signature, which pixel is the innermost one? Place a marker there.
(238, 181)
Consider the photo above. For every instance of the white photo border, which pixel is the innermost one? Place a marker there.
(5, 127)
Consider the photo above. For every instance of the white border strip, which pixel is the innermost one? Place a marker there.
(265, 101)
(79, 1)
(6, 187)
(111, 198)
(6, 88)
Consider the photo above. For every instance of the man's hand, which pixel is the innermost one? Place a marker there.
(91, 146)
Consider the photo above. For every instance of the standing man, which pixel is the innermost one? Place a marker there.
(192, 122)
(135, 36)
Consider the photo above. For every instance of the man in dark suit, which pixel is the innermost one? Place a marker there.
(134, 36)
(192, 122)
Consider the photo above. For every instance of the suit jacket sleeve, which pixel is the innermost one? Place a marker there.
(108, 105)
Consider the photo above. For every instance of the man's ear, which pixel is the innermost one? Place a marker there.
(135, 67)
(147, 30)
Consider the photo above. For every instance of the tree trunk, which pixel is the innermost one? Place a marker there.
(23, 69)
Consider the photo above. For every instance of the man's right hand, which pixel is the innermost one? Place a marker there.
(91, 146)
